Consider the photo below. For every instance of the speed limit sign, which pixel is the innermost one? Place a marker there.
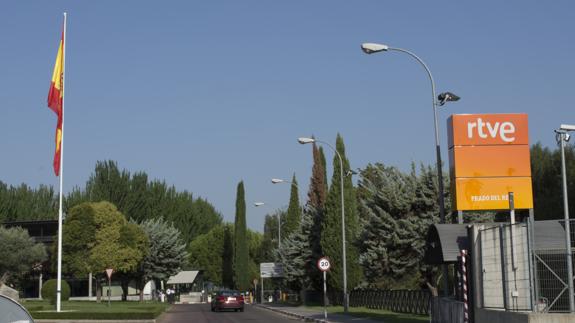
(323, 264)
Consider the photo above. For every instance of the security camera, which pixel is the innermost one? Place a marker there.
(567, 137)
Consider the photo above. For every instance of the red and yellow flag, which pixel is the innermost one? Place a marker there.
(55, 101)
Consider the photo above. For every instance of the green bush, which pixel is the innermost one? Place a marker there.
(49, 291)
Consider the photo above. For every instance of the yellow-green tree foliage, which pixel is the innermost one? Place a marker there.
(97, 236)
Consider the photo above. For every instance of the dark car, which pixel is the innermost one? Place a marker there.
(228, 299)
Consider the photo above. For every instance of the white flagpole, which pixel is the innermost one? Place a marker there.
(59, 281)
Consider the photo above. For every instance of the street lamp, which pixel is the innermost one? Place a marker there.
(562, 136)
(258, 204)
(303, 141)
(372, 48)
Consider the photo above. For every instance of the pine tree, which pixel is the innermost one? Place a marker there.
(331, 236)
(241, 273)
(296, 255)
(293, 216)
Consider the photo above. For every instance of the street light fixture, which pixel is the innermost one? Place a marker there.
(562, 136)
(258, 204)
(371, 48)
(303, 141)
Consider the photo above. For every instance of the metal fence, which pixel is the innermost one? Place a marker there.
(524, 267)
(551, 272)
(445, 310)
(401, 301)
(505, 269)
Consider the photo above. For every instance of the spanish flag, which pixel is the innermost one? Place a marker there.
(55, 101)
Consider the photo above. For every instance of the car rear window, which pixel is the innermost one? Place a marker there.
(229, 293)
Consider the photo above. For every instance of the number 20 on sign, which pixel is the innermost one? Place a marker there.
(323, 264)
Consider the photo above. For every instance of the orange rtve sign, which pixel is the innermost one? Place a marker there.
(489, 157)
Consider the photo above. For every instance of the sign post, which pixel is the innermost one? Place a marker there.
(324, 265)
(109, 272)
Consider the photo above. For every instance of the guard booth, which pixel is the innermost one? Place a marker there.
(188, 286)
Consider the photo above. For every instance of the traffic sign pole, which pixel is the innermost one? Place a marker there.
(323, 264)
(324, 297)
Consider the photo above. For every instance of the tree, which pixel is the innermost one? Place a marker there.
(18, 253)
(19, 203)
(331, 235)
(207, 252)
(140, 199)
(241, 253)
(296, 255)
(167, 253)
(293, 216)
(228, 258)
(317, 193)
(270, 236)
(548, 180)
(96, 236)
(317, 196)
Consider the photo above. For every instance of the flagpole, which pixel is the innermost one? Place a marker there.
(59, 281)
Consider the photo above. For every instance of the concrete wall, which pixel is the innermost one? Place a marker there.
(493, 316)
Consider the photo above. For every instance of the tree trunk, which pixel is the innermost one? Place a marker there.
(98, 291)
(140, 285)
(125, 283)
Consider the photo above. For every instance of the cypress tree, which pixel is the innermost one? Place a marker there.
(331, 235)
(293, 216)
(241, 273)
(317, 196)
(324, 167)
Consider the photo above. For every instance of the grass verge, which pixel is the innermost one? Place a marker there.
(374, 314)
(96, 311)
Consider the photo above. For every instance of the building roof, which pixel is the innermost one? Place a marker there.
(549, 235)
(184, 277)
(444, 243)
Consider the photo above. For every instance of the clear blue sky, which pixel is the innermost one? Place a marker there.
(204, 94)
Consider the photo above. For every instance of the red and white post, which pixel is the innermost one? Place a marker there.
(464, 284)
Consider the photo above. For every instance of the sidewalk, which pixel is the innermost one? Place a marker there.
(311, 315)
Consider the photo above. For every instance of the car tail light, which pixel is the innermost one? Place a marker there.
(221, 299)
(241, 299)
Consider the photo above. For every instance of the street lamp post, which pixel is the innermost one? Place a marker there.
(371, 48)
(258, 204)
(563, 136)
(304, 141)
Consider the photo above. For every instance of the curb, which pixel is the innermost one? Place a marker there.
(299, 316)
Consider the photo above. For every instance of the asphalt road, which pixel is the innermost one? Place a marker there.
(201, 313)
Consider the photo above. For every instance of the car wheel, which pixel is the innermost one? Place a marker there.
(241, 309)
(213, 309)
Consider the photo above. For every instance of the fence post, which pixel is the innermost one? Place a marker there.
(503, 271)
(531, 263)
(464, 281)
